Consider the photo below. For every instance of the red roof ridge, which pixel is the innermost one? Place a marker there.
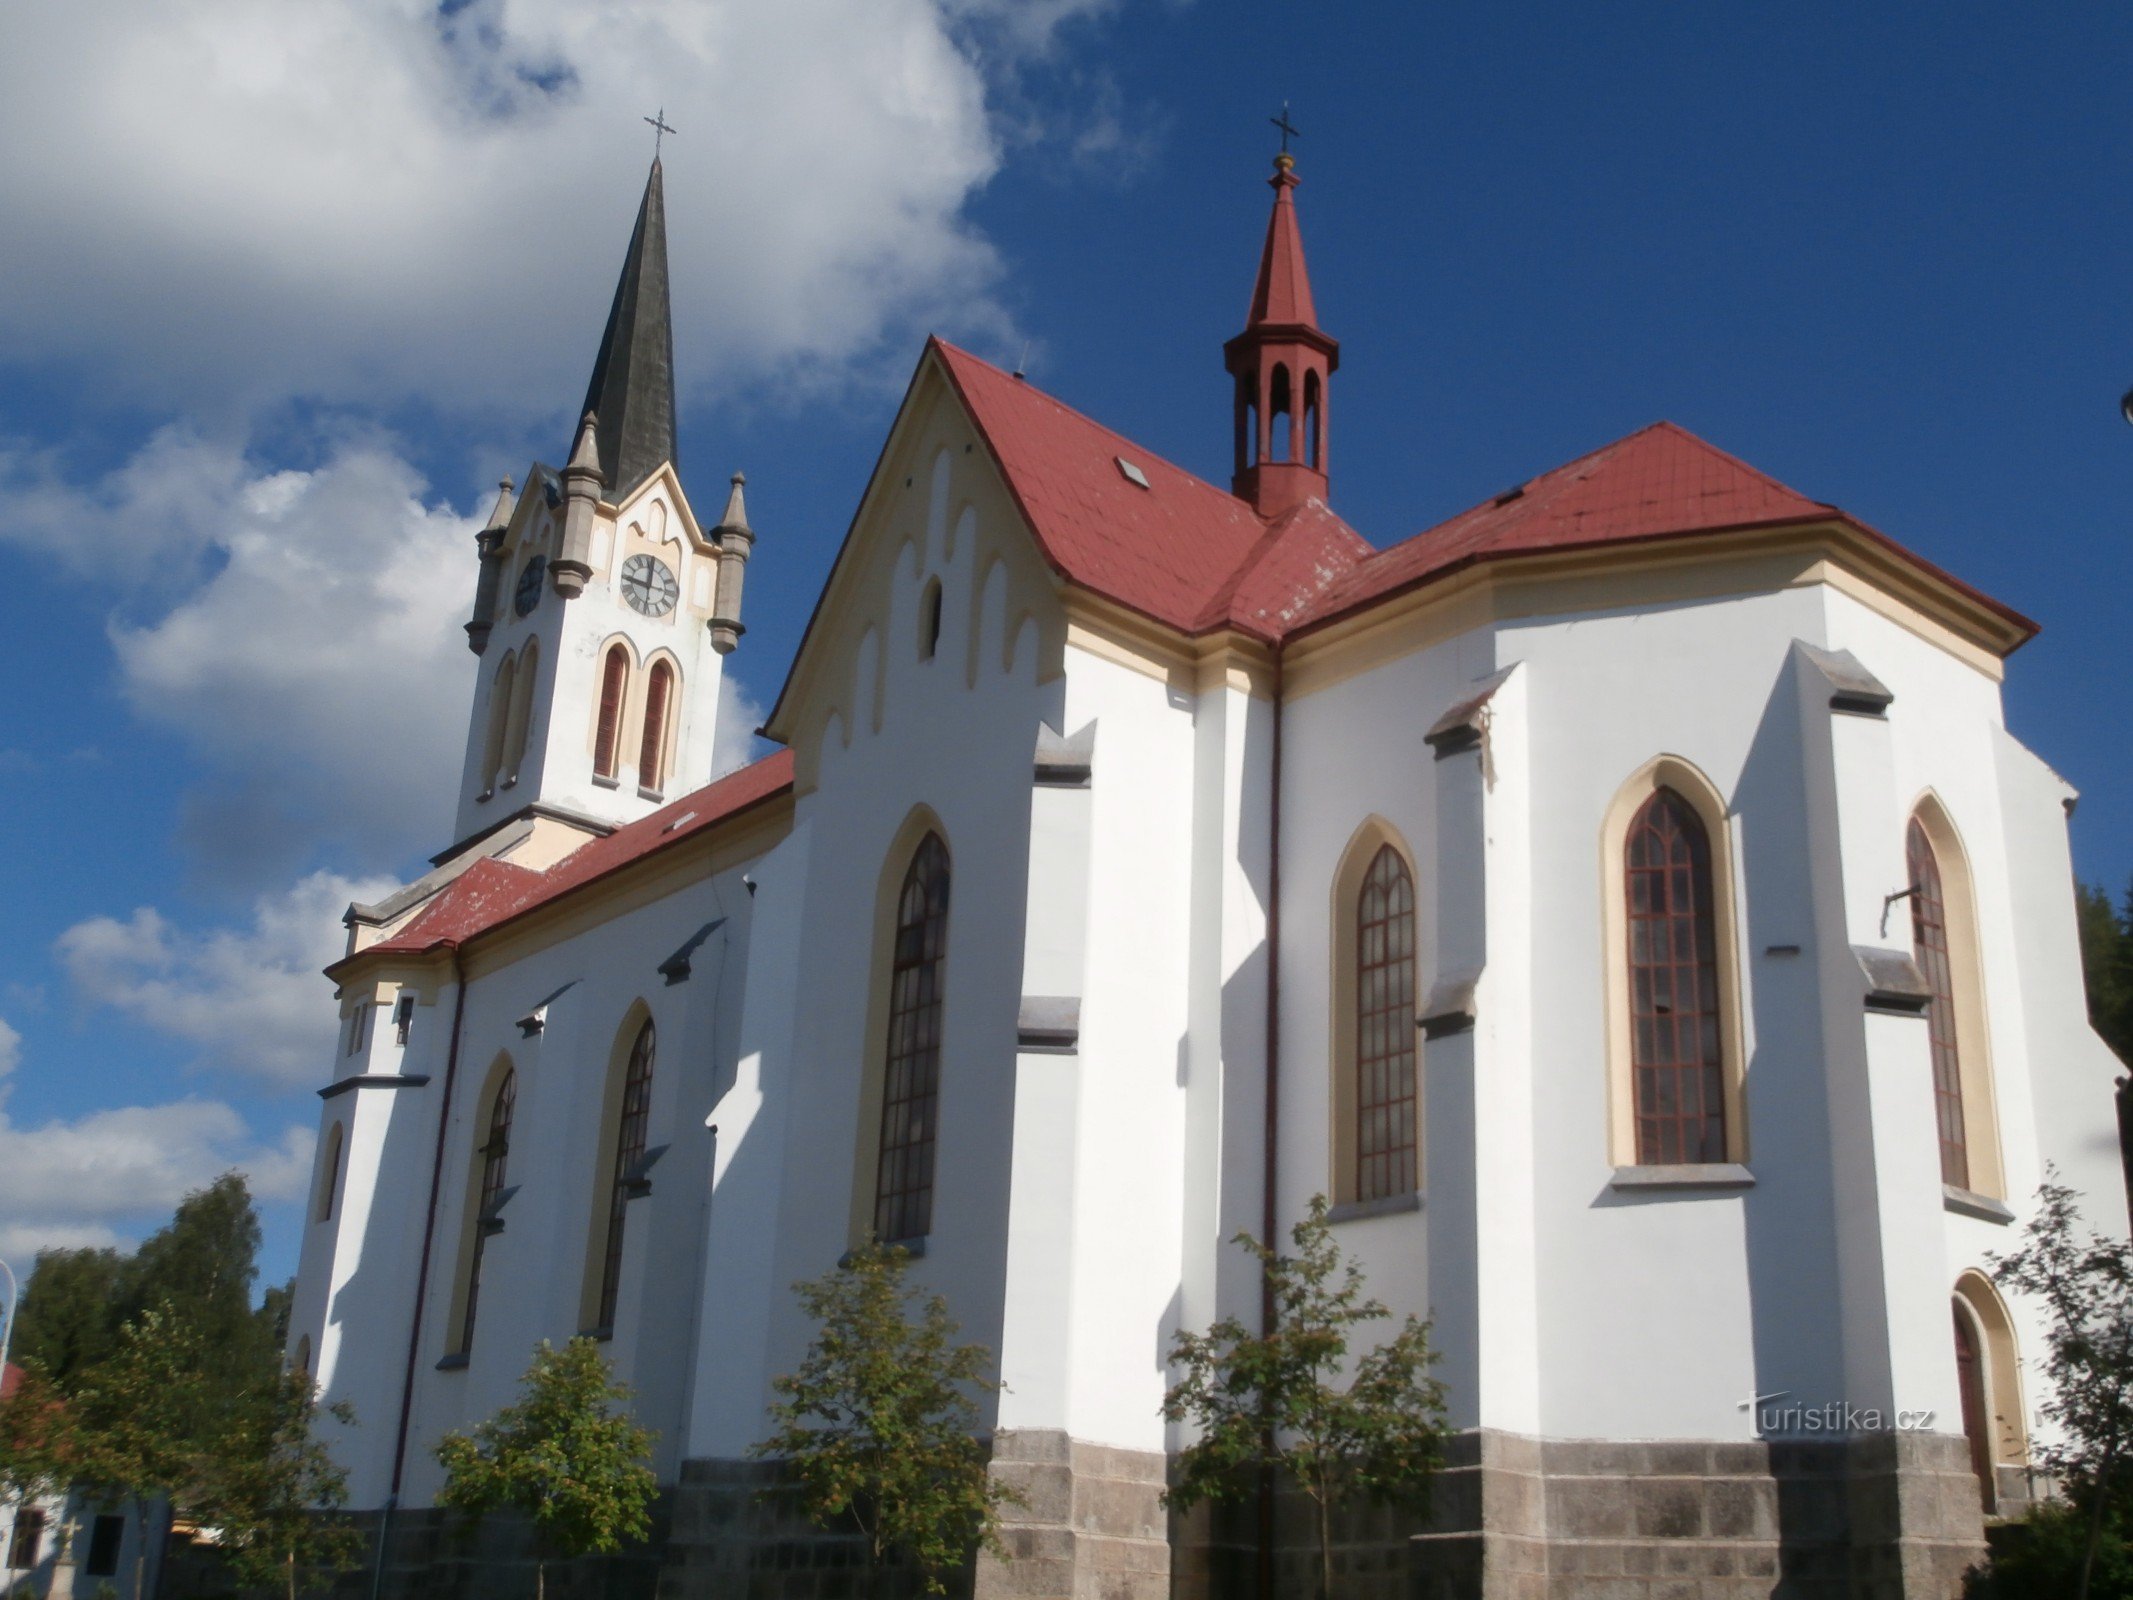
(493, 892)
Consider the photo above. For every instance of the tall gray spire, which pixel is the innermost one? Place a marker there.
(632, 388)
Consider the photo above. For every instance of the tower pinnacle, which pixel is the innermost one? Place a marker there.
(632, 388)
(1281, 363)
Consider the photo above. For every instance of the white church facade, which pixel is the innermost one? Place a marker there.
(1624, 901)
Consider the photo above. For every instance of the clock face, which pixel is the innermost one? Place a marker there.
(649, 586)
(529, 584)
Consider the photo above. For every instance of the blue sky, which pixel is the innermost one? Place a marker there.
(289, 287)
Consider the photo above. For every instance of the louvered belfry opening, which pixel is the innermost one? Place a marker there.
(910, 1099)
(1677, 1051)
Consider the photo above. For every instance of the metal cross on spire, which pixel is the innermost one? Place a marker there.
(1287, 132)
(659, 121)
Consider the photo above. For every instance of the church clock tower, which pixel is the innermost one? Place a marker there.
(604, 608)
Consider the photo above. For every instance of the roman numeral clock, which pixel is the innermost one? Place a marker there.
(648, 585)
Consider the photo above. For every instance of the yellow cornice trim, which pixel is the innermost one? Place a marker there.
(1698, 567)
(1191, 663)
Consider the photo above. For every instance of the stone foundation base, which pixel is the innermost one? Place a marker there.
(1882, 1517)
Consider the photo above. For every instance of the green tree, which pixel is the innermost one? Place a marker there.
(276, 1491)
(140, 1423)
(2107, 966)
(567, 1454)
(71, 1312)
(2085, 1285)
(879, 1424)
(1273, 1402)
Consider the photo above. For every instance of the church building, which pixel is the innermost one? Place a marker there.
(1624, 902)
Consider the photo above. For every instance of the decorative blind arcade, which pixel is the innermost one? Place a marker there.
(910, 1100)
(1385, 1030)
(630, 1133)
(1929, 940)
(1677, 1060)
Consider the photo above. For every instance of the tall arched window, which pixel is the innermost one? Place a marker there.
(499, 719)
(495, 1152)
(630, 1129)
(1385, 1029)
(651, 754)
(329, 1175)
(1677, 1048)
(607, 734)
(1929, 940)
(529, 669)
(910, 1101)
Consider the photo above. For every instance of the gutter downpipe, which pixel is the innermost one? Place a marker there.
(422, 1271)
(1270, 1150)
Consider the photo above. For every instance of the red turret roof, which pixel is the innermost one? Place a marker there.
(1282, 293)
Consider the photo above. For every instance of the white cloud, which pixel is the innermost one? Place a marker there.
(318, 667)
(733, 740)
(10, 1048)
(227, 201)
(81, 1182)
(250, 998)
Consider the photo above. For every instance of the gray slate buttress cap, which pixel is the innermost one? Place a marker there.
(735, 518)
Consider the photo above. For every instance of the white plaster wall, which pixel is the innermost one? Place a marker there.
(913, 733)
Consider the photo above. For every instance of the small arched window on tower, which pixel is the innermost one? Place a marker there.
(607, 733)
(492, 1156)
(1931, 945)
(1247, 422)
(1677, 1051)
(929, 619)
(528, 674)
(500, 686)
(1280, 415)
(329, 1175)
(1314, 422)
(632, 1123)
(911, 1081)
(652, 753)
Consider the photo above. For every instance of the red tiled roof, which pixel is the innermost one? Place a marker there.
(1179, 551)
(491, 893)
(1659, 481)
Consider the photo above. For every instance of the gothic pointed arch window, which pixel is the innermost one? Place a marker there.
(633, 1113)
(491, 1166)
(1944, 941)
(1314, 421)
(652, 750)
(1929, 939)
(1383, 1029)
(910, 1100)
(607, 731)
(500, 691)
(521, 715)
(1674, 1047)
(1678, 1059)
(329, 1174)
